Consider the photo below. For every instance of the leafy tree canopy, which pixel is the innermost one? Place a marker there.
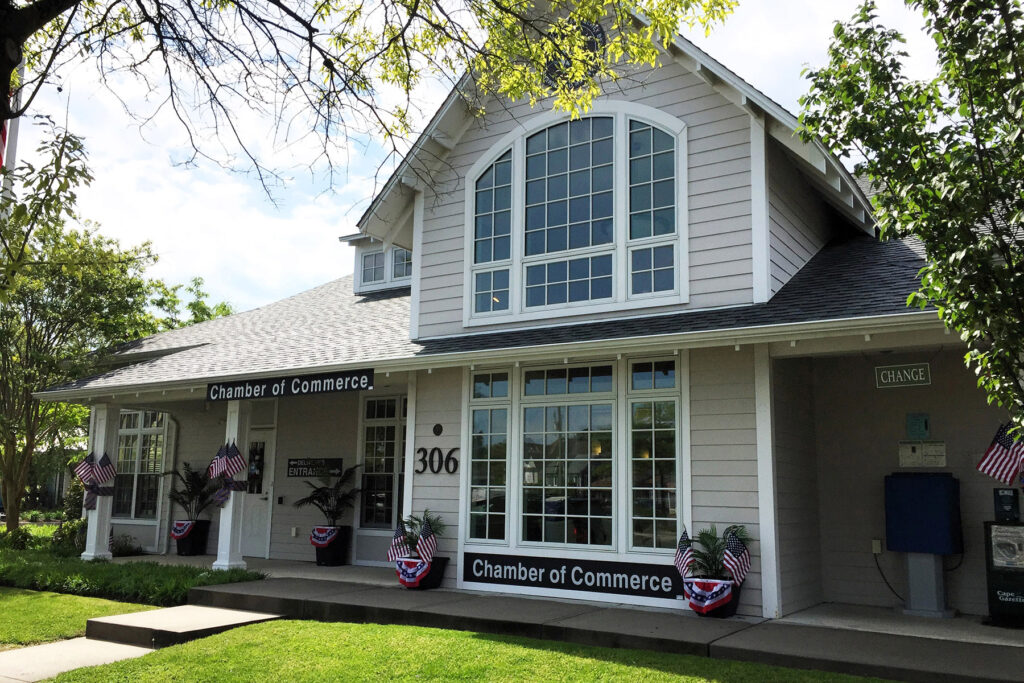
(946, 156)
(334, 68)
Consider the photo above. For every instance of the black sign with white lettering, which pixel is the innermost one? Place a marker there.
(315, 467)
(590, 576)
(301, 385)
(914, 375)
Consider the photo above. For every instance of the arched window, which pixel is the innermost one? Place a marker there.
(582, 215)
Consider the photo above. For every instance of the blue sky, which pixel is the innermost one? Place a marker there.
(206, 221)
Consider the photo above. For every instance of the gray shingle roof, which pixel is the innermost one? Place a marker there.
(329, 326)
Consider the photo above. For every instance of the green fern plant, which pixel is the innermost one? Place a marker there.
(414, 524)
(196, 492)
(709, 551)
(332, 499)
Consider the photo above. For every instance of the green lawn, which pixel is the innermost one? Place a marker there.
(312, 651)
(28, 617)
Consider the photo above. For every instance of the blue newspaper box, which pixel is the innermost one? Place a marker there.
(922, 513)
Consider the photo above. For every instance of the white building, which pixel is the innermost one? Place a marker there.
(584, 335)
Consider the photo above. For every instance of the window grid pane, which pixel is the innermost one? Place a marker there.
(139, 463)
(653, 473)
(490, 291)
(652, 269)
(488, 475)
(492, 225)
(567, 473)
(559, 282)
(373, 267)
(401, 263)
(569, 186)
(651, 181)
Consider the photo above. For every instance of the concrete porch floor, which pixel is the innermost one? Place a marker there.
(282, 569)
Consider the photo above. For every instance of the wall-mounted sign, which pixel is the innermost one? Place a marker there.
(437, 461)
(315, 467)
(922, 453)
(301, 385)
(590, 576)
(912, 375)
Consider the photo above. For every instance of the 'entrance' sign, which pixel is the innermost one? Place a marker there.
(315, 467)
(301, 385)
(592, 576)
(912, 375)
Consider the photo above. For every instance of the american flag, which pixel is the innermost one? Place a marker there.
(736, 557)
(399, 548)
(1004, 457)
(86, 470)
(228, 462)
(684, 553)
(104, 470)
(427, 545)
(91, 472)
(216, 467)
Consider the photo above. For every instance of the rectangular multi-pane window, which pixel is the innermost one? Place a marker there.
(651, 181)
(653, 473)
(652, 269)
(140, 456)
(557, 381)
(493, 212)
(490, 291)
(559, 282)
(567, 472)
(401, 263)
(490, 385)
(383, 446)
(659, 374)
(569, 171)
(373, 267)
(488, 474)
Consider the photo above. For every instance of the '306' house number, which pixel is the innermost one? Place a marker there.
(437, 461)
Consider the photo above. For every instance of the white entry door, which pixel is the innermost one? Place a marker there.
(259, 493)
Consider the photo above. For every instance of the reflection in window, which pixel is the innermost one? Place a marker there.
(653, 473)
(657, 375)
(559, 282)
(651, 181)
(490, 291)
(401, 260)
(567, 474)
(491, 385)
(140, 455)
(556, 381)
(652, 269)
(487, 478)
(493, 212)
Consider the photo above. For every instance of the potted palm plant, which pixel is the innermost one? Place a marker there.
(421, 568)
(716, 569)
(332, 498)
(193, 497)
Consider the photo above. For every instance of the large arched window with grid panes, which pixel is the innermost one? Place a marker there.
(579, 216)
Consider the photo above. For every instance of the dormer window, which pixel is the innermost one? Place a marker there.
(373, 267)
(582, 216)
(401, 263)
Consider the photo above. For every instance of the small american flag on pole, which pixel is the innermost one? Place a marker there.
(426, 546)
(1004, 457)
(235, 461)
(399, 548)
(216, 467)
(85, 470)
(684, 553)
(104, 470)
(737, 557)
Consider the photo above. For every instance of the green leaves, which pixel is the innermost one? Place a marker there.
(947, 159)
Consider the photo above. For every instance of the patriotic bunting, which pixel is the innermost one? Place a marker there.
(737, 556)
(707, 594)
(684, 554)
(92, 474)
(1004, 458)
(180, 530)
(323, 536)
(411, 571)
(426, 546)
(399, 548)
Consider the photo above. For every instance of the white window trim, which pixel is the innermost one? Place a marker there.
(490, 403)
(389, 281)
(140, 431)
(399, 422)
(621, 299)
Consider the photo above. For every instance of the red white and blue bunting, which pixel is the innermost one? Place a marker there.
(707, 594)
(323, 536)
(180, 530)
(411, 570)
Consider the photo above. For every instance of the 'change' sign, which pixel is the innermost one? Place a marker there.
(301, 385)
(913, 375)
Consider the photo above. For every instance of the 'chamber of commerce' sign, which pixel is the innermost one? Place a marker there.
(302, 385)
(315, 467)
(913, 375)
(591, 576)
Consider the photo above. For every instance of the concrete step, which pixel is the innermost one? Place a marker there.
(170, 626)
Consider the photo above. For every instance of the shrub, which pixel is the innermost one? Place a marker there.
(69, 537)
(125, 546)
(145, 582)
(35, 516)
(73, 498)
(18, 539)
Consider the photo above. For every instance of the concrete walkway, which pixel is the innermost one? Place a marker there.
(40, 662)
(911, 657)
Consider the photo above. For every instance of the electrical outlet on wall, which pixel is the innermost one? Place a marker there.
(295, 531)
(876, 546)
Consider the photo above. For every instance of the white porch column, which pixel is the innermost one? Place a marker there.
(771, 586)
(103, 425)
(229, 538)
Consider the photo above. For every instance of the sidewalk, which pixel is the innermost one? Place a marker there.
(923, 657)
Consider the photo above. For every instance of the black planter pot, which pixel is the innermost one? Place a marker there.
(335, 554)
(432, 579)
(729, 608)
(195, 542)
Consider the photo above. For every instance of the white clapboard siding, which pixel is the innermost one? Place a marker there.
(724, 451)
(796, 481)
(797, 218)
(718, 140)
(438, 402)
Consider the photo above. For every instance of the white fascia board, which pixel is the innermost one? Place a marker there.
(757, 334)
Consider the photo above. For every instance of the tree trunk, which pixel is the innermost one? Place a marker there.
(12, 504)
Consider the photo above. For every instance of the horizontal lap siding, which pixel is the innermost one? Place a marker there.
(796, 483)
(200, 433)
(718, 143)
(798, 222)
(438, 402)
(723, 451)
